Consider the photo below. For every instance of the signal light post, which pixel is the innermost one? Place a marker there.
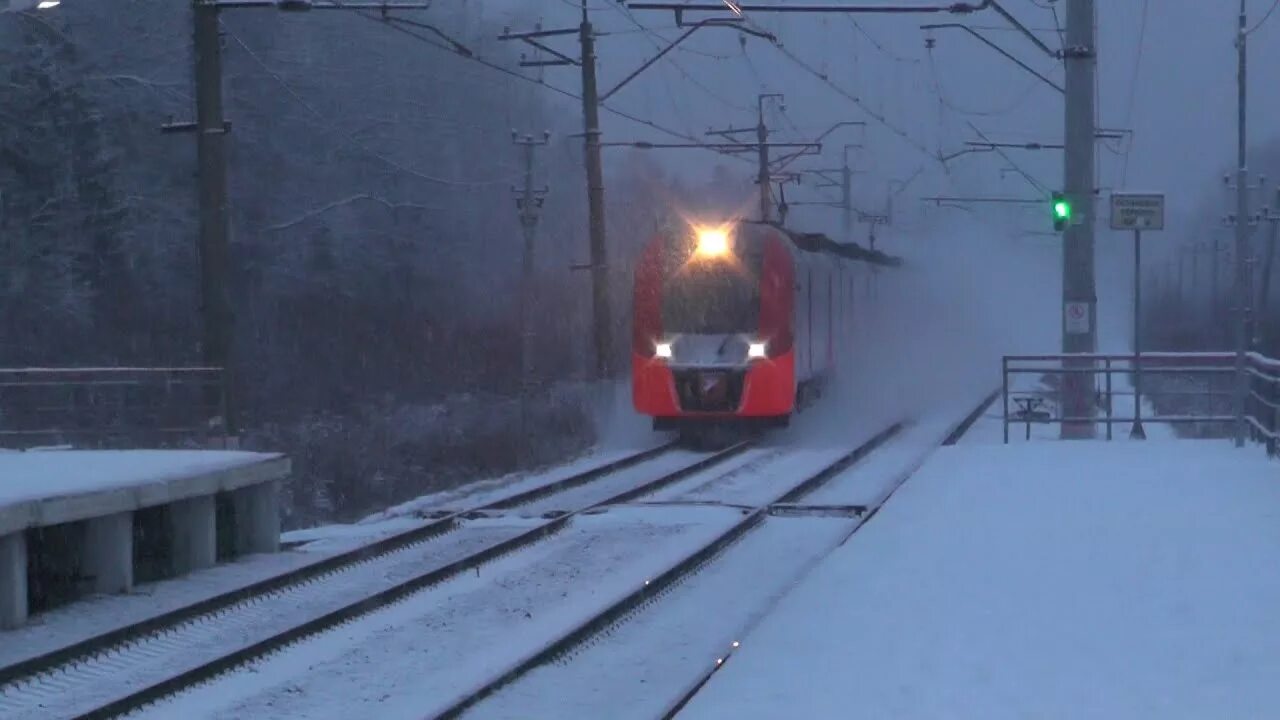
(1135, 212)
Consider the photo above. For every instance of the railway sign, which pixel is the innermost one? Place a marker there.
(1135, 211)
(1076, 315)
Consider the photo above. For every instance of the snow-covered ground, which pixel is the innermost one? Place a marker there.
(193, 643)
(758, 483)
(87, 618)
(83, 619)
(641, 666)
(37, 475)
(1047, 580)
(868, 481)
(410, 659)
(474, 494)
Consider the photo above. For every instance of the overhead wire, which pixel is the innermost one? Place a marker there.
(1264, 19)
(349, 136)
(676, 107)
(876, 43)
(751, 66)
(878, 117)
(654, 37)
(946, 100)
(1133, 90)
(1052, 7)
(427, 40)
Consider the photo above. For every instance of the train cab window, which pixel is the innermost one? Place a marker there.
(716, 297)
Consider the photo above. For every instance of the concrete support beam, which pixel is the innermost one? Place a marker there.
(13, 580)
(108, 552)
(257, 518)
(193, 531)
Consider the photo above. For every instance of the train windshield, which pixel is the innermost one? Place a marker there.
(717, 299)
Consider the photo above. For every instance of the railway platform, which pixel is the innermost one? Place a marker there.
(1055, 579)
(80, 522)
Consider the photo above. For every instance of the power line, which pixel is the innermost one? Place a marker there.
(876, 43)
(1133, 87)
(879, 118)
(654, 37)
(1264, 19)
(391, 23)
(350, 137)
(946, 101)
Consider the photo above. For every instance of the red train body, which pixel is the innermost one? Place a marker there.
(742, 333)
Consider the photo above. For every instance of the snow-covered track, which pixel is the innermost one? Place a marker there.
(862, 514)
(122, 670)
(653, 588)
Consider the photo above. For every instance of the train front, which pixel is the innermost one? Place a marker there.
(712, 340)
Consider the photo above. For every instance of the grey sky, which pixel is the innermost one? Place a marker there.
(1183, 107)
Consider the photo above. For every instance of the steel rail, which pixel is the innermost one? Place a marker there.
(135, 699)
(77, 653)
(655, 586)
(953, 436)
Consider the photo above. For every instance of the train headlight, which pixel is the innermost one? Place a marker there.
(662, 350)
(757, 350)
(713, 242)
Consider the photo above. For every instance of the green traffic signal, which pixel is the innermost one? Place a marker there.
(1061, 212)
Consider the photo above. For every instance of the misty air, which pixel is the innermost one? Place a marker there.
(639, 359)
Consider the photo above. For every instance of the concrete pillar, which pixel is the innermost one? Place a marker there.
(13, 580)
(257, 518)
(193, 533)
(108, 552)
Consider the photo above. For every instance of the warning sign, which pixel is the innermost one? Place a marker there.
(1131, 211)
(1077, 318)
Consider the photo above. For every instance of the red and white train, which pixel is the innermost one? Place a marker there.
(739, 324)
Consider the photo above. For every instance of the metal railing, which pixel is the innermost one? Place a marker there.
(112, 407)
(1189, 390)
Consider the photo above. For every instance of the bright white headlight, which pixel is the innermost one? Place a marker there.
(756, 350)
(662, 350)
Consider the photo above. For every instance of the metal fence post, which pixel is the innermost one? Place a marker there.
(1004, 380)
(1107, 366)
(227, 441)
(1267, 421)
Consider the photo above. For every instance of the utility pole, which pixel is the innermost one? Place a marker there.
(1182, 279)
(529, 203)
(592, 99)
(1264, 292)
(1215, 279)
(602, 315)
(1242, 231)
(211, 130)
(846, 195)
(763, 174)
(1078, 285)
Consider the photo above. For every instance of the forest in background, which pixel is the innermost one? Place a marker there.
(374, 243)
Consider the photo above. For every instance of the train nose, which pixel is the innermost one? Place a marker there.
(714, 387)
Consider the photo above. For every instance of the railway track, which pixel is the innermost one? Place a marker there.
(654, 587)
(122, 670)
(864, 514)
(601, 668)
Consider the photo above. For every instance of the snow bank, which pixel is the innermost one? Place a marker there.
(38, 475)
(1120, 580)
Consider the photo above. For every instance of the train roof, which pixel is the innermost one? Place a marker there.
(821, 243)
